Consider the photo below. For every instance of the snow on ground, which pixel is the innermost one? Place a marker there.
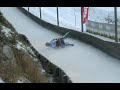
(1, 81)
(20, 46)
(82, 62)
(43, 71)
(7, 31)
(35, 11)
(51, 17)
(23, 80)
(19, 81)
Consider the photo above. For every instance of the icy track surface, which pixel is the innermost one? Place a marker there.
(82, 63)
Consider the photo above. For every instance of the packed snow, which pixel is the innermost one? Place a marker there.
(82, 63)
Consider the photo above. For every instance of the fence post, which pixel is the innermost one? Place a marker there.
(82, 18)
(115, 12)
(28, 9)
(57, 17)
(40, 12)
(75, 16)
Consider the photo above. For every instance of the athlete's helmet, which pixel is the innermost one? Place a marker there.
(47, 44)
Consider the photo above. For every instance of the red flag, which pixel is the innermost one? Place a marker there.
(85, 14)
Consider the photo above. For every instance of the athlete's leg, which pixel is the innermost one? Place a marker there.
(68, 44)
(62, 43)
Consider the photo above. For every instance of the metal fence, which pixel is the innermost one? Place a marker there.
(71, 19)
(68, 17)
(102, 27)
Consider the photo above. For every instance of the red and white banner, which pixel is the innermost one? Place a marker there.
(85, 14)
